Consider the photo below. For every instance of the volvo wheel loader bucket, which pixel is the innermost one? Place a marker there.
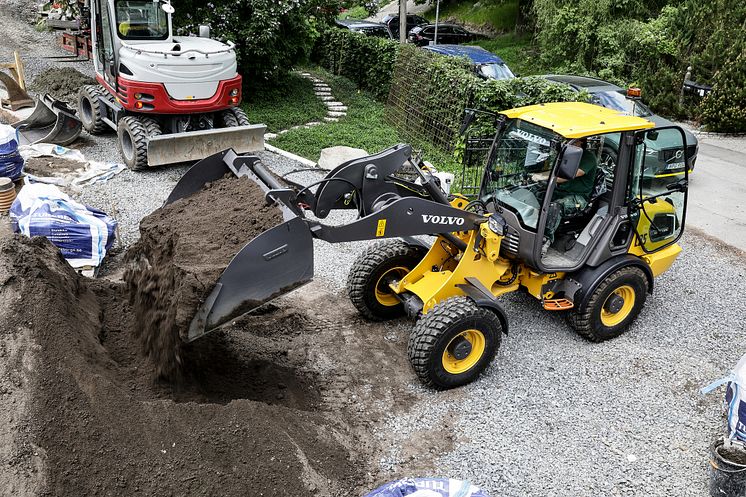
(272, 264)
(194, 145)
(52, 121)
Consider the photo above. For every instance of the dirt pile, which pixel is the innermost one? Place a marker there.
(183, 249)
(62, 83)
(94, 423)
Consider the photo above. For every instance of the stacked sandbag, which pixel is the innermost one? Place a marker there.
(11, 162)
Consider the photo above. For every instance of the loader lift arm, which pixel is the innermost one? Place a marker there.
(281, 258)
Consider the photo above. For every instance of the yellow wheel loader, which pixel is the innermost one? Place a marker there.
(593, 257)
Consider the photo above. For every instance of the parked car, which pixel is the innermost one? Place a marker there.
(392, 22)
(447, 33)
(609, 95)
(377, 29)
(486, 64)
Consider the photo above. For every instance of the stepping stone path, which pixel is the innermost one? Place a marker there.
(335, 109)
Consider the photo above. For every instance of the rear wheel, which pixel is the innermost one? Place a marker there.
(134, 132)
(452, 344)
(613, 306)
(371, 273)
(91, 110)
(230, 118)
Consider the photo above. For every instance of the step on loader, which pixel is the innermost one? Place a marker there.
(170, 99)
(589, 249)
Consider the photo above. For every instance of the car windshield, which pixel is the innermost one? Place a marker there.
(495, 71)
(617, 101)
(141, 20)
(522, 150)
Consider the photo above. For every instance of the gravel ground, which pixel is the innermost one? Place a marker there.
(554, 415)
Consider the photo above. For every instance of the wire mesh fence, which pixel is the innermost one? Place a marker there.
(428, 96)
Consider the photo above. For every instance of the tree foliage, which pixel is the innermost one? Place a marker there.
(270, 35)
(649, 43)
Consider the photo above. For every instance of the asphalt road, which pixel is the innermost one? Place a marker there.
(717, 194)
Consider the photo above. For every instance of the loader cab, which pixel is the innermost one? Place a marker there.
(565, 206)
(130, 22)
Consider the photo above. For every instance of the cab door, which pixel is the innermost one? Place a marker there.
(105, 50)
(657, 203)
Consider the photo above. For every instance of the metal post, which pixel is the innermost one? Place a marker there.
(402, 21)
(437, 20)
(687, 77)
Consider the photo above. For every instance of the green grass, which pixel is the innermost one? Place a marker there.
(363, 127)
(358, 12)
(289, 104)
(499, 15)
(517, 52)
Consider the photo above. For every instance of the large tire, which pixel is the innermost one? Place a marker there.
(613, 305)
(367, 284)
(454, 343)
(134, 132)
(230, 118)
(90, 109)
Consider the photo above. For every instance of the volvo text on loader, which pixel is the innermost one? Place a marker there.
(598, 271)
(169, 98)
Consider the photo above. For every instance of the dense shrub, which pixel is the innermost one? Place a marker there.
(725, 108)
(270, 35)
(648, 43)
(430, 92)
(366, 60)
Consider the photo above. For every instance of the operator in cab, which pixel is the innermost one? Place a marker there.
(571, 196)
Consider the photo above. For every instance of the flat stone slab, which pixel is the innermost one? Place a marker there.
(326, 98)
(336, 114)
(269, 136)
(331, 119)
(331, 103)
(331, 157)
(338, 108)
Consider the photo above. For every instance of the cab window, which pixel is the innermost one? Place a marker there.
(141, 20)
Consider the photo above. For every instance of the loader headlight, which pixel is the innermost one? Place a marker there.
(138, 96)
(234, 92)
(496, 224)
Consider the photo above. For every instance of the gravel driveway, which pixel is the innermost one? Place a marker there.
(554, 415)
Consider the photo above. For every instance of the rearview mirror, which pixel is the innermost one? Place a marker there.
(570, 162)
(167, 7)
(651, 135)
(469, 116)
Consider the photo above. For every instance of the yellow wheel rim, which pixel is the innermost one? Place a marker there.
(627, 293)
(457, 366)
(384, 296)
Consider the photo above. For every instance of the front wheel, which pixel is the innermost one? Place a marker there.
(233, 117)
(373, 271)
(613, 305)
(134, 133)
(452, 344)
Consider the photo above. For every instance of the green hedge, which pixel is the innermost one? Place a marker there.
(366, 60)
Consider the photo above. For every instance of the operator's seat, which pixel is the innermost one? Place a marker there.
(575, 222)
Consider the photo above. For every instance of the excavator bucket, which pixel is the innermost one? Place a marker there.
(52, 121)
(194, 145)
(272, 264)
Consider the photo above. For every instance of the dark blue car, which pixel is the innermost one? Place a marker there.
(486, 64)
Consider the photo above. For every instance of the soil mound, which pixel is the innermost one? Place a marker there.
(63, 83)
(183, 249)
(96, 424)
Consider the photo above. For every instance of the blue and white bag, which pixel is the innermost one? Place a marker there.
(735, 400)
(82, 234)
(428, 487)
(11, 162)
